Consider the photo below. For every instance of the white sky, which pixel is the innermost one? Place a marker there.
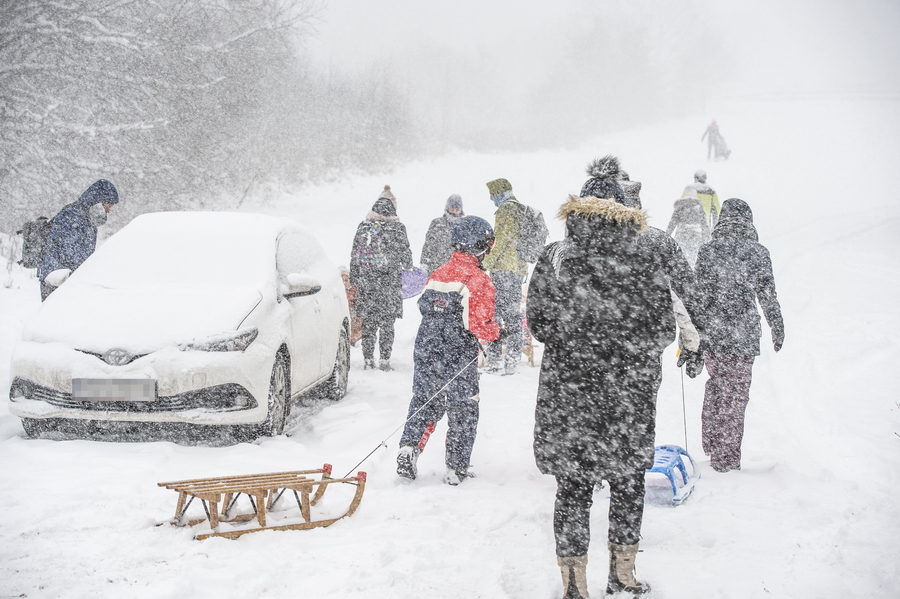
(786, 46)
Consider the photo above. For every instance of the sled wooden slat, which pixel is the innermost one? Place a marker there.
(264, 490)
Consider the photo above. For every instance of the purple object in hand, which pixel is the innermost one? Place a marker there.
(414, 282)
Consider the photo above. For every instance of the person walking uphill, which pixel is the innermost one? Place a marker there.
(457, 309)
(73, 234)
(436, 251)
(601, 305)
(733, 271)
(380, 254)
(508, 271)
(707, 196)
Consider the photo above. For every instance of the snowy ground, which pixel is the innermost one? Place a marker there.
(812, 514)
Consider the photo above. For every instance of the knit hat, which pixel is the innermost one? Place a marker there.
(384, 207)
(500, 190)
(735, 208)
(454, 202)
(387, 194)
(602, 184)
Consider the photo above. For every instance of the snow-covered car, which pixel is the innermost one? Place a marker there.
(209, 319)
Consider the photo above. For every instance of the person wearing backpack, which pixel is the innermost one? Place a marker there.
(689, 227)
(380, 253)
(73, 234)
(519, 230)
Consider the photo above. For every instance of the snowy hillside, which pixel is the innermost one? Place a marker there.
(812, 514)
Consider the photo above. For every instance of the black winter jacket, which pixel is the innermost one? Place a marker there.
(733, 271)
(600, 302)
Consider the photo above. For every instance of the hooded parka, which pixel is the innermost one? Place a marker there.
(733, 271)
(600, 302)
(73, 235)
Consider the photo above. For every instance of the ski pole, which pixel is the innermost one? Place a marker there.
(413, 415)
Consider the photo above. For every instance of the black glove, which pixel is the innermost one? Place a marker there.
(692, 362)
(777, 338)
(503, 334)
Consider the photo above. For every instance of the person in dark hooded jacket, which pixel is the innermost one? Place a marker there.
(73, 234)
(437, 251)
(380, 254)
(733, 271)
(601, 303)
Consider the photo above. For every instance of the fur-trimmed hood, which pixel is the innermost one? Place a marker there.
(591, 206)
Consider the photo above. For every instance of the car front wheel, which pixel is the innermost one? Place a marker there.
(279, 398)
(336, 386)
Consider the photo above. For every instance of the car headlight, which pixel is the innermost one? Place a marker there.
(232, 342)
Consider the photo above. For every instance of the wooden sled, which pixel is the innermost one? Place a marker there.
(263, 490)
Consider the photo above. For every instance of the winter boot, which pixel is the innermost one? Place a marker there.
(370, 364)
(385, 365)
(621, 570)
(406, 461)
(453, 477)
(574, 576)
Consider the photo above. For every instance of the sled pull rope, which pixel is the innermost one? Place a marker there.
(394, 432)
(683, 408)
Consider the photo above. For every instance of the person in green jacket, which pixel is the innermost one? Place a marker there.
(708, 197)
(508, 271)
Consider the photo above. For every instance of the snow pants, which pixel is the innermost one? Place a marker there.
(462, 418)
(509, 309)
(380, 327)
(724, 404)
(572, 511)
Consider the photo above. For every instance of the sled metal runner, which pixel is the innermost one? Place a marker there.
(263, 491)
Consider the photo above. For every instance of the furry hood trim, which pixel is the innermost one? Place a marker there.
(591, 206)
(604, 168)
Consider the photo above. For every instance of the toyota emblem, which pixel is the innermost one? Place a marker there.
(117, 357)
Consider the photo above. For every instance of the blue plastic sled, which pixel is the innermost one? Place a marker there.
(668, 462)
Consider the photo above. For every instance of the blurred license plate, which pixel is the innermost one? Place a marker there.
(114, 389)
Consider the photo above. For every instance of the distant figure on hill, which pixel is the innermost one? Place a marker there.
(715, 143)
(436, 252)
(708, 197)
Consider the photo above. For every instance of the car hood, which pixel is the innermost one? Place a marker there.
(97, 319)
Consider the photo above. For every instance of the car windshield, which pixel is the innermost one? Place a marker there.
(184, 250)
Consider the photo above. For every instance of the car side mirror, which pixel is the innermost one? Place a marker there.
(297, 285)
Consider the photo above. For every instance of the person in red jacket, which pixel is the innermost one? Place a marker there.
(457, 309)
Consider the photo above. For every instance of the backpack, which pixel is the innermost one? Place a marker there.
(34, 238)
(532, 235)
(370, 245)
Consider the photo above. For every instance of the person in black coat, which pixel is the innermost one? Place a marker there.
(601, 303)
(733, 271)
(380, 254)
